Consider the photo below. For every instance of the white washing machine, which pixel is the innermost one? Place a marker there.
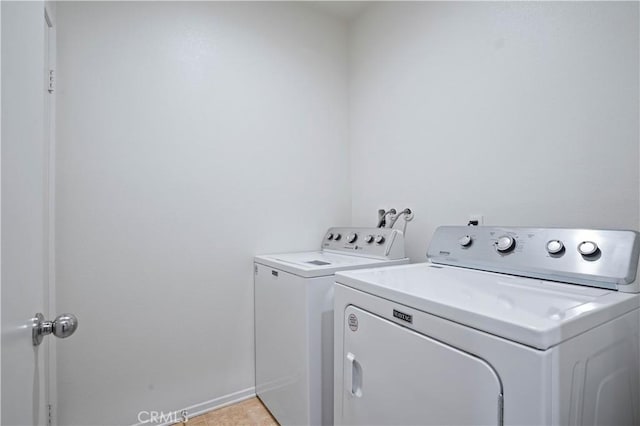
(501, 326)
(294, 319)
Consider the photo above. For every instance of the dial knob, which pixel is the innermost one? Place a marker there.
(351, 238)
(555, 247)
(329, 236)
(379, 239)
(369, 238)
(588, 248)
(505, 243)
(465, 241)
(337, 237)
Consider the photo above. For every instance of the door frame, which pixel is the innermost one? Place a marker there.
(50, 359)
(0, 200)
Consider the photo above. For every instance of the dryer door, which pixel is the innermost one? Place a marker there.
(395, 376)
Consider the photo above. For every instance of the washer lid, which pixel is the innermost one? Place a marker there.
(533, 312)
(320, 263)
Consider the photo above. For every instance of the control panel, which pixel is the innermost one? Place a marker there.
(369, 242)
(593, 257)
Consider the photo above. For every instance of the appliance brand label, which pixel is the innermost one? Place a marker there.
(404, 317)
(353, 322)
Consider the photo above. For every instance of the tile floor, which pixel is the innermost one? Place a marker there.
(246, 413)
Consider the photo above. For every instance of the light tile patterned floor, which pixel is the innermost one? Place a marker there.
(246, 413)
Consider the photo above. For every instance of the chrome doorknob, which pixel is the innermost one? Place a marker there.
(63, 326)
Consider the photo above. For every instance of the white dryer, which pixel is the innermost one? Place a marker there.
(294, 319)
(501, 326)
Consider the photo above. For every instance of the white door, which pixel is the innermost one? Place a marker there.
(395, 376)
(25, 210)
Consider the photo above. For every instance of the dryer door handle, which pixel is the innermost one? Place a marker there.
(353, 376)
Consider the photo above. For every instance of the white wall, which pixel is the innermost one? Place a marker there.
(525, 112)
(190, 138)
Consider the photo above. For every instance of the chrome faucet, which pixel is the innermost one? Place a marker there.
(392, 220)
(382, 217)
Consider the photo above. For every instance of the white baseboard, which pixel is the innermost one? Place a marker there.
(201, 408)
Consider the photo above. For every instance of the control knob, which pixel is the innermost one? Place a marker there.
(588, 248)
(329, 236)
(465, 241)
(555, 247)
(337, 237)
(505, 244)
(379, 239)
(369, 238)
(351, 238)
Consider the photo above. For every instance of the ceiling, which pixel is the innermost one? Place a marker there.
(346, 10)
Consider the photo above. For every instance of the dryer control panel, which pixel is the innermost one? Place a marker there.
(593, 257)
(381, 243)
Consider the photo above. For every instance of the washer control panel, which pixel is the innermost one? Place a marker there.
(593, 257)
(371, 242)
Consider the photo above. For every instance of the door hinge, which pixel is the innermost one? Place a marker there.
(50, 415)
(255, 269)
(52, 81)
